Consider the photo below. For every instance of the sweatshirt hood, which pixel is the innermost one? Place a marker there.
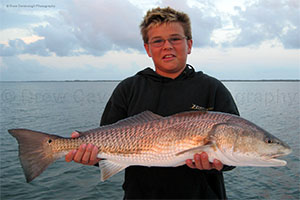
(187, 73)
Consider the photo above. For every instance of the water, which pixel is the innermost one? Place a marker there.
(61, 107)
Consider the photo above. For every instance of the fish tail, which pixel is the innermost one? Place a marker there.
(35, 151)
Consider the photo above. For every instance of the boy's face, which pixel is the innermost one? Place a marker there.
(169, 59)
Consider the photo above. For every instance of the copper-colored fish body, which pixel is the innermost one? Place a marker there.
(148, 139)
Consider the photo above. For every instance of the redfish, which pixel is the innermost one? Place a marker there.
(148, 139)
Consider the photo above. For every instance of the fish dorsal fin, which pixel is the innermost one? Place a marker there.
(189, 114)
(143, 117)
(109, 168)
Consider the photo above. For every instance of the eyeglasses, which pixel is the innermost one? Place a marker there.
(159, 42)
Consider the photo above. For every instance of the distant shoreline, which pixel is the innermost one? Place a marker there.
(264, 80)
(228, 80)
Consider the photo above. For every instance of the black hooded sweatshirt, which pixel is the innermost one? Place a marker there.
(165, 96)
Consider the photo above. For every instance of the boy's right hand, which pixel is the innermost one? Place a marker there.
(86, 154)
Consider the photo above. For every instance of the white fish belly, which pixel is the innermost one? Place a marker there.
(148, 159)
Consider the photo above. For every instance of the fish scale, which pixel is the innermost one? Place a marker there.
(149, 140)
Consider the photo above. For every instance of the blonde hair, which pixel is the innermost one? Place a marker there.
(158, 16)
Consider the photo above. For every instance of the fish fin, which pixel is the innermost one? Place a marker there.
(198, 149)
(109, 168)
(191, 113)
(145, 116)
(35, 152)
(78, 132)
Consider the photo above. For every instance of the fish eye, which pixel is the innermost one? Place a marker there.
(269, 141)
(49, 141)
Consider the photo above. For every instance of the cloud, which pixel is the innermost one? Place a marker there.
(204, 19)
(100, 26)
(58, 38)
(13, 20)
(96, 27)
(14, 47)
(17, 69)
(113, 65)
(264, 62)
(84, 27)
(13, 68)
(268, 20)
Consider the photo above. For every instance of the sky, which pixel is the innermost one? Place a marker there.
(43, 40)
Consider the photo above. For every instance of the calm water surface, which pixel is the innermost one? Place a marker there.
(62, 107)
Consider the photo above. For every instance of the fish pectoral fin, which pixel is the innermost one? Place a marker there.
(198, 149)
(109, 168)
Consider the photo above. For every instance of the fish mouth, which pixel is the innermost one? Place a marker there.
(272, 159)
(279, 154)
(276, 162)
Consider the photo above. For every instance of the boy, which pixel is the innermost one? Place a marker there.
(173, 87)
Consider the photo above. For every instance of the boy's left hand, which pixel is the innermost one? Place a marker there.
(202, 163)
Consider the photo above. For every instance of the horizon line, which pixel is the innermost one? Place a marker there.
(223, 80)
